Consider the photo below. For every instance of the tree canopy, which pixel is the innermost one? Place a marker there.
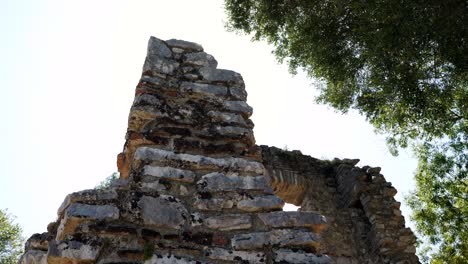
(401, 64)
(11, 242)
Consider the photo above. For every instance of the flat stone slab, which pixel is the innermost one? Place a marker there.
(201, 59)
(220, 75)
(239, 107)
(185, 45)
(199, 161)
(77, 213)
(164, 211)
(232, 131)
(228, 222)
(280, 238)
(214, 204)
(169, 173)
(97, 212)
(280, 219)
(235, 255)
(261, 203)
(225, 117)
(86, 196)
(289, 256)
(204, 89)
(217, 182)
(71, 252)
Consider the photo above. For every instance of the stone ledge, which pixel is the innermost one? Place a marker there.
(92, 195)
(261, 203)
(280, 238)
(201, 59)
(169, 173)
(199, 161)
(77, 213)
(220, 182)
(315, 221)
(204, 89)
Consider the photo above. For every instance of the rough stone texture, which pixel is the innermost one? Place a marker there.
(185, 45)
(72, 252)
(288, 256)
(229, 222)
(216, 182)
(169, 173)
(236, 255)
(217, 75)
(312, 220)
(77, 213)
(164, 211)
(364, 223)
(282, 238)
(89, 196)
(34, 257)
(195, 188)
(261, 203)
(202, 59)
(149, 154)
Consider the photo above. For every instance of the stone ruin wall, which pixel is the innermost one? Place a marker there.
(195, 188)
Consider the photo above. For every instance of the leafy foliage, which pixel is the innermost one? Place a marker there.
(401, 64)
(107, 182)
(440, 201)
(10, 239)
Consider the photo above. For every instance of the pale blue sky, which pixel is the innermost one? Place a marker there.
(68, 70)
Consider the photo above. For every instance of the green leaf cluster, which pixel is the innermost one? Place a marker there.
(404, 66)
(11, 241)
(440, 201)
(107, 182)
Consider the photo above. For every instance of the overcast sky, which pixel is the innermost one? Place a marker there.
(68, 70)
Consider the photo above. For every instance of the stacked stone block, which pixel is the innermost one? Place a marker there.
(192, 188)
(365, 224)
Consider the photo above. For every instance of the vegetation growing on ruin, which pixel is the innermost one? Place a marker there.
(401, 64)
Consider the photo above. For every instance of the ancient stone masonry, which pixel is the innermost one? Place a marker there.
(365, 224)
(195, 188)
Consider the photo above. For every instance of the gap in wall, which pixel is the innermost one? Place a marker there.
(290, 207)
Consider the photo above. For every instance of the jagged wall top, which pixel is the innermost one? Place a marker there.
(183, 103)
